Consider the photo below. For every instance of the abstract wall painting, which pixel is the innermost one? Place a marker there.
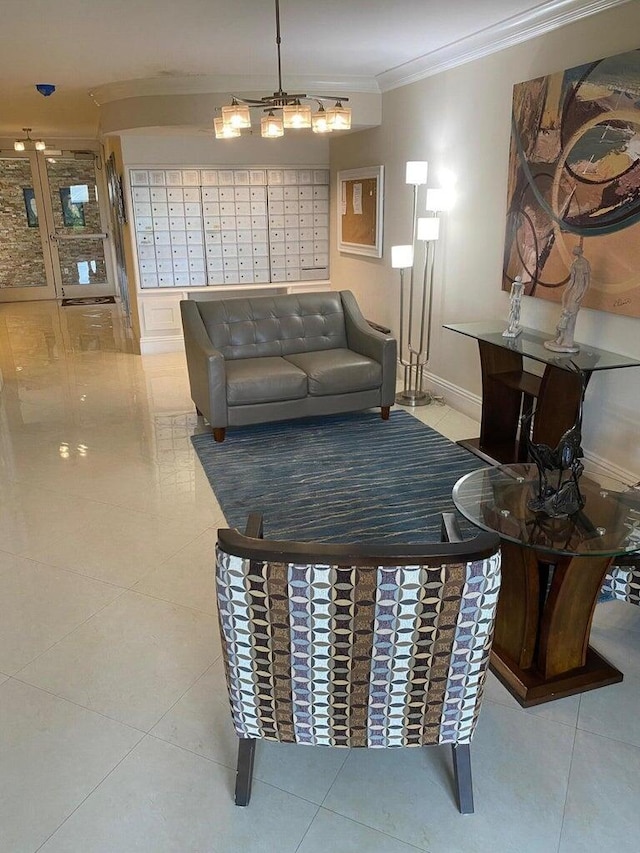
(574, 179)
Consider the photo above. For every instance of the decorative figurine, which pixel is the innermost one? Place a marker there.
(515, 298)
(572, 297)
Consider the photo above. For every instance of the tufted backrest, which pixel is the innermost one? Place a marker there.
(339, 654)
(274, 325)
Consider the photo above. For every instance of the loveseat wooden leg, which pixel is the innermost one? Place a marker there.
(244, 771)
(218, 433)
(384, 412)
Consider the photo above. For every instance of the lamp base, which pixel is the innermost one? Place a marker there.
(413, 397)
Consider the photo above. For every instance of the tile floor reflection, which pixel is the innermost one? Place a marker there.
(115, 734)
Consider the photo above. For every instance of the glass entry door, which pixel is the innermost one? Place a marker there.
(78, 235)
(53, 227)
(26, 267)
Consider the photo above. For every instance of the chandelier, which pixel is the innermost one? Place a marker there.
(28, 142)
(282, 110)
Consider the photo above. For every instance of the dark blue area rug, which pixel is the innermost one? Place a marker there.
(342, 478)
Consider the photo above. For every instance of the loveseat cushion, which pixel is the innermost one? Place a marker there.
(337, 371)
(263, 380)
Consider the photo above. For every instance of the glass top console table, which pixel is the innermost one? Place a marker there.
(552, 573)
(508, 390)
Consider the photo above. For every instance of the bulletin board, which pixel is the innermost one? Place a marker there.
(360, 206)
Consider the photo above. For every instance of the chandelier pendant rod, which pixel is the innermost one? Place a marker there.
(278, 43)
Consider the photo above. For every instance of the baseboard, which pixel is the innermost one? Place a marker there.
(600, 467)
(167, 343)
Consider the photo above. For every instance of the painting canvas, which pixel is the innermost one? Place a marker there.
(574, 179)
(30, 207)
(72, 211)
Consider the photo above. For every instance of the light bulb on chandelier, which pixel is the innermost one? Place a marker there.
(28, 142)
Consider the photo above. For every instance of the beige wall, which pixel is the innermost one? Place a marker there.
(460, 120)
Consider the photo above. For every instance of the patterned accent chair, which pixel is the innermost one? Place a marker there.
(356, 645)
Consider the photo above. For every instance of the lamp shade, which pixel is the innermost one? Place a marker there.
(428, 228)
(320, 121)
(339, 117)
(416, 172)
(18, 145)
(271, 126)
(224, 131)
(438, 199)
(401, 257)
(297, 116)
(237, 115)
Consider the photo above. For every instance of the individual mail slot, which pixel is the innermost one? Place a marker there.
(305, 220)
(258, 208)
(228, 223)
(193, 223)
(229, 238)
(149, 280)
(158, 194)
(320, 206)
(278, 275)
(195, 237)
(191, 209)
(176, 208)
(306, 247)
(243, 223)
(320, 247)
(231, 277)
(305, 193)
(244, 236)
(191, 177)
(258, 194)
(276, 208)
(245, 263)
(227, 194)
(160, 208)
(276, 222)
(141, 194)
(180, 265)
(291, 207)
(277, 235)
(244, 250)
(175, 194)
(145, 238)
(304, 176)
(261, 263)
(146, 253)
(163, 252)
(290, 177)
(212, 223)
(227, 208)
(214, 264)
(306, 233)
(321, 219)
(198, 278)
(321, 260)
(209, 177)
(320, 233)
(230, 251)
(259, 222)
(211, 208)
(162, 238)
(321, 192)
(291, 234)
(305, 207)
(313, 274)
(278, 262)
(214, 250)
(196, 265)
(242, 193)
(142, 209)
(166, 280)
(306, 261)
(293, 261)
(261, 276)
(210, 194)
(215, 276)
(275, 194)
(231, 264)
(293, 274)
(144, 223)
(291, 222)
(277, 249)
(178, 238)
(195, 251)
(191, 194)
(260, 236)
(179, 251)
(291, 193)
(177, 223)
(157, 177)
(245, 276)
(243, 208)
(260, 250)
(173, 177)
(148, 266)
(139, 176)
(181, 278)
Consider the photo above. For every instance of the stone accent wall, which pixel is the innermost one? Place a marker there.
(21, 259)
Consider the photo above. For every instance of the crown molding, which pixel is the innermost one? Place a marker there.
(226, 85)
(514, 30)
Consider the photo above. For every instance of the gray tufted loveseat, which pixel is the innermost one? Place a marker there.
(270, 358)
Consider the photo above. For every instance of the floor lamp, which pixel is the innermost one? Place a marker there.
(415, 334)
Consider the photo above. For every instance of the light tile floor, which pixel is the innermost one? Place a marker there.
(114, 729)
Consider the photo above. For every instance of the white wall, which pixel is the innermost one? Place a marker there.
(460, 120)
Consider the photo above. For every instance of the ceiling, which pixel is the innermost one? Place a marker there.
(124, 48)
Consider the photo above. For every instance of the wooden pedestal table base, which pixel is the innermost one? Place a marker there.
(541, 646)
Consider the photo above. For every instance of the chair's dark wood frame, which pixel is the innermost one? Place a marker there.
(252, 546)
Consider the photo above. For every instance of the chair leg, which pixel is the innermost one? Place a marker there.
(218, 433)
(462, 773)
(384, 412)
(244, 773)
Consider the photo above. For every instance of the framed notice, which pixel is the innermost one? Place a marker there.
(360, 198)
